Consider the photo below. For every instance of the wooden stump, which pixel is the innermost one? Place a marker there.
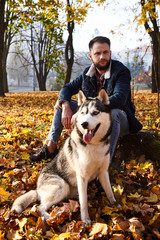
(145, 142)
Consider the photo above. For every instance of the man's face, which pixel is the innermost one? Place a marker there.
(100, 55)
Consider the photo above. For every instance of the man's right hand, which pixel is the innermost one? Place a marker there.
(66, 115)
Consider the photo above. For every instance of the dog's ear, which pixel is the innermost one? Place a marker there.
(103, 96)
(81, 97)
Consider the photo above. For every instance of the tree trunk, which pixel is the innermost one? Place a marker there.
(69, 53)
(42, 86)
(41, 82)
(154, 85)
(2, 29)
(5, 82)
(155, 63)
(69, 50)
(155, 39)
(5, 54)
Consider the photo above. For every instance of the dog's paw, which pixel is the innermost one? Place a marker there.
(112, 200)
(86, 222)
(43, 213)
(119, 206)
(16, 209)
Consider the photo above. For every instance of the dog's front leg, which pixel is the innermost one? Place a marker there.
(82, 185)
(105, 181)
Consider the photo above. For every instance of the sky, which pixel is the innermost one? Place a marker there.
(115, 18)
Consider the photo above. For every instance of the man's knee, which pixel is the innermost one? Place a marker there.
(115, 113)
(57, 110)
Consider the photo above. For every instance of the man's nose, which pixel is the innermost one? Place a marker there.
(102, 56)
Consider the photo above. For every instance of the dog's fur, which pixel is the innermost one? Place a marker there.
(84, 156)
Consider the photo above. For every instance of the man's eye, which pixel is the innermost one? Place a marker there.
(95, 113)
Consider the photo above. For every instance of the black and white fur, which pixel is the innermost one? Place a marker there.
(83, 157)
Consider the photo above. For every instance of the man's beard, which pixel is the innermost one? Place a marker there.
(105, 67)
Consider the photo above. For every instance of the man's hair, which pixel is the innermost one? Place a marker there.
(99, 39)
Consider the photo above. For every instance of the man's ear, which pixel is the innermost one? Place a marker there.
(81, 97)
(103, 96)
(90, 56)
(110, 53)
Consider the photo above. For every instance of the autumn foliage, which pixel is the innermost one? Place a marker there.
(25, 120)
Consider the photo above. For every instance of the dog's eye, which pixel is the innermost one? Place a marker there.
(95, 113)
(82, 113)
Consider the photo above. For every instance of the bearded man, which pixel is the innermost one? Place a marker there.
(105, 73)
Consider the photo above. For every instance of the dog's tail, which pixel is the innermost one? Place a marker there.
(24, 201)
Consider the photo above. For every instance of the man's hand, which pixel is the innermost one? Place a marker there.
(66, 115)
(73, 118)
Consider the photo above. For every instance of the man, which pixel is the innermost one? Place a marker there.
(104, 72)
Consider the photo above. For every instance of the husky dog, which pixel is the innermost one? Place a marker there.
(83, 157)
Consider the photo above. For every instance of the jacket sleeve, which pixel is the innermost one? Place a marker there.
(121, 89)
(70, 89)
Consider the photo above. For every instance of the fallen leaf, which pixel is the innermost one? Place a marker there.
(100, 229)
(155, 218)
(135, 224)
(118, 189)
(2, 235)
(144, 209)
(25, 155)
(153, 198)
(59, 214)
(109, 210)
(120, 224)
(4, 195)
(14, 235)
(156, 232)
(41, 224)
(118, 236)
(135, 195)
(22, 222)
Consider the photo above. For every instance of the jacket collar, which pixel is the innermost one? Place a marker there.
(92, 70)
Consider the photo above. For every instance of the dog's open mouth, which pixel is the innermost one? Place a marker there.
(89, 134)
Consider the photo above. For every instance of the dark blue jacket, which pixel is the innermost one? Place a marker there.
(117, 87)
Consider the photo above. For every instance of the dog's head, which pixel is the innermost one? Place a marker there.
(93, 118)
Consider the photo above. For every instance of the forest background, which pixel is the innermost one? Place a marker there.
(37, 40)
(38, 37)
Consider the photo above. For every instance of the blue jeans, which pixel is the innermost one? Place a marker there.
(120, 125)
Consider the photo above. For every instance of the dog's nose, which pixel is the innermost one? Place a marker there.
(84, 125)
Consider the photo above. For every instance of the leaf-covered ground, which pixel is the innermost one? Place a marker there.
(25, 120)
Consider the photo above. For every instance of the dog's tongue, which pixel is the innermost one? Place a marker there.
(88, 135)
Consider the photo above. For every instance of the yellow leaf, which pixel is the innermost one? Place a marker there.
(145, 165)
(156, 216)
(33, 178)
(90, 205)
(109, 210)
(4, 195)
(9, 173)
(62, 236)
(135, 195)
(55, 237)
(118, 189)
(118, 181)
(8, 119)
(22, 222)
(2, 235)
(25, 131)
(25, 155)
